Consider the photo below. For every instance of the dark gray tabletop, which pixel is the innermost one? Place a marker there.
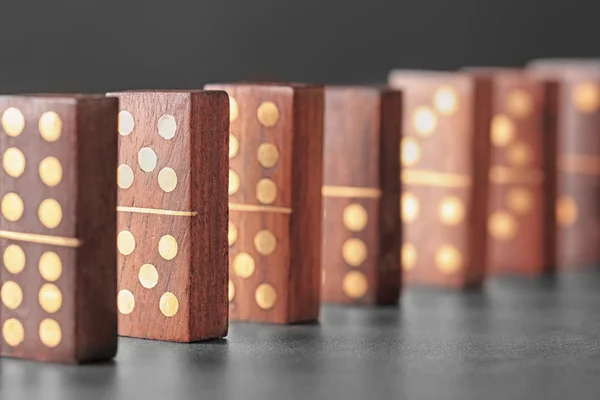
(517, 339)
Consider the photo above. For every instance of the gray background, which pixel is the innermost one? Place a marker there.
(101, 45)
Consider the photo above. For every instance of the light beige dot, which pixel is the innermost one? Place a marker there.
(265, 242)
(124, 176)
(519, 103)
(566, 211)
(167, 179)
(234, 146)
(50, 298)
(50, 266)
(14, 259)
(268, 155)
(13, 162)
(50, 332)
(50, 171)
(243, 265)
(231, 291)
(125, 242)
(125, 302)
(355, 217)
(586, 97)
(147, 159)
(410, 152)
(148, 276)
(519, 200)
(451, 211)
(13, 332)
(167, 247)
(355, 284)
(445, 100)
(50, 126)
(354, 252)
(167, 126)
(268, 114)
(233, 109)
(265, 296)
(409, 256)
(519, 154)
(424, 120)
(231, 234)
(502, 226)
(50, 213)
(126, 123)
(12, 207)
(11, 294)
(448, 260)
(502, 131)
(409, 207)
(13, 121)
(234, 182)
(266, 191)
(168, 304)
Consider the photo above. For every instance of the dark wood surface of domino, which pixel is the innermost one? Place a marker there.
(577, 120)
(58, 227)
(172, 220)
(361, 196)
(521, 178)
(275, 180)
(445, 161)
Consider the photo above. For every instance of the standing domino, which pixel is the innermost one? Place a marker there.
(172, 220)
(521, 224)
(275, 180)
(575, 115)
(58, 227)
(445, 159)
(361, 193)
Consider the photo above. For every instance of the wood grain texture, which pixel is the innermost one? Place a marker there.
(445, 183)
(67, 314)
(176, 273)
(361, 193)
(521, 178)
(275, 201)
(577, 119)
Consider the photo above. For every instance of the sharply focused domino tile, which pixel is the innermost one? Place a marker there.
(444, 175)
(576, 117)
(58, 227)
(275, 180)
(172, 205)
(361, 192)
(521, 218)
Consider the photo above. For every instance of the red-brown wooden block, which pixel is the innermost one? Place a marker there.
(58, 227)
(275, 179)
(521, 224)
(360, 256)
(445, 161)
(172, 220)
(576, 118)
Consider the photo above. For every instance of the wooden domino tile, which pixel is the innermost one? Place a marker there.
(576, 117)
(361, 192)
(445, 190)
(58, 227)
(275, 180)
(172, 215)
(520, 226)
